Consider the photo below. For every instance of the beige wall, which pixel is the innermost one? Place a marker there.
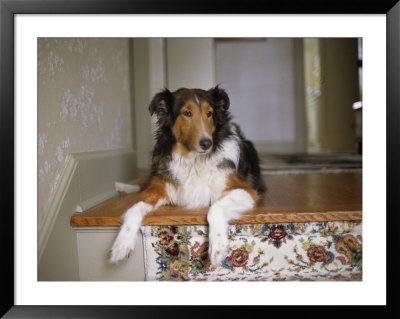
(331, 88)
(313, 101)
(84, 104)
(342, 90)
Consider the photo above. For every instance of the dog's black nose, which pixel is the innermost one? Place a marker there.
(205, 143)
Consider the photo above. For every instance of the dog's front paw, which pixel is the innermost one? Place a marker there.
(218, 248)
(123, 245)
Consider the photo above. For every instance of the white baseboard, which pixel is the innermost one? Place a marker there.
(93, 201)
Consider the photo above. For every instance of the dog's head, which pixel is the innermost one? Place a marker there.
(192, 115)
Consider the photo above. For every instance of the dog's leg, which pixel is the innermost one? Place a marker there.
(229, 207)
(126, 239)
(149, 199)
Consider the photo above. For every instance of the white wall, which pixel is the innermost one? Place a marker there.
(259, 77)
(148, 57)
(190, 63)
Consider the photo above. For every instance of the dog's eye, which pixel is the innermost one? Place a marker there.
(187, 113)
(209, 113)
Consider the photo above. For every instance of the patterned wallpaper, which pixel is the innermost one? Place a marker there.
(83, 104)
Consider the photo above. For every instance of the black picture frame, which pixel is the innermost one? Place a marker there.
(8, 10)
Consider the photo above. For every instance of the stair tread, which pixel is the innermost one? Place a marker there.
(289, 198)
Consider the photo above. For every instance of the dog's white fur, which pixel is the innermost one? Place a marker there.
(201, 183)
(126, 188)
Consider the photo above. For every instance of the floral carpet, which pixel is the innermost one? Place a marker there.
(314, 251)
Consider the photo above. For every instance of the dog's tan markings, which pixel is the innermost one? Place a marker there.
(235, 182)
(155, 192)
(186, 128)
(206, 113)
(193, 123)
(180, 149)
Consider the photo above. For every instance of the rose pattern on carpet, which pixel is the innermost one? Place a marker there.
(313, 251)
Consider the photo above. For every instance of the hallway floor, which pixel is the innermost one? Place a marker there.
(303, 163)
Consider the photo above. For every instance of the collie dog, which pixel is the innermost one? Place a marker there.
(200, 159)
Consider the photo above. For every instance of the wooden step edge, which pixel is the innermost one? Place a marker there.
(201, 219)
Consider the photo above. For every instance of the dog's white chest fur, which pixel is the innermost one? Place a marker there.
(200, 181)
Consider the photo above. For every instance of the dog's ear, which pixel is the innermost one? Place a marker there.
(161, 103)
(219, 98)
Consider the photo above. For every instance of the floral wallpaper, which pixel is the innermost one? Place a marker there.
(83, 103)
